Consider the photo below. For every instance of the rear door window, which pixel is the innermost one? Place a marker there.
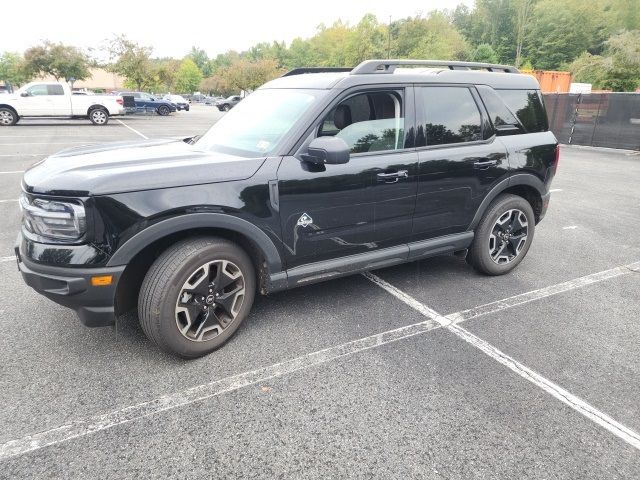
(499, 113)
(528, 107)
(55, 90)
(448, 115)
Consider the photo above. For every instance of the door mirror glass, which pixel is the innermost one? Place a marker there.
(327, 150)
(25, 94)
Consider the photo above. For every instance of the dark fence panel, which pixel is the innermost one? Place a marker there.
(597, 119)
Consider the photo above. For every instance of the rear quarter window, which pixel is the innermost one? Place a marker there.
(527, 105)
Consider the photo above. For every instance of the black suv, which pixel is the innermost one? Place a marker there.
(315, 175)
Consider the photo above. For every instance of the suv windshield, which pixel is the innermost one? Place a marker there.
(257, 124)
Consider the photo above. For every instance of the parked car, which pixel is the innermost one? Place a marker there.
(212, 100)
(52, 99)
(226, 104)
(199, 98)
(312, 177)
(179, 101)
(146, 101)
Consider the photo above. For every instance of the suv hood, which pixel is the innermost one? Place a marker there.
(134, 166)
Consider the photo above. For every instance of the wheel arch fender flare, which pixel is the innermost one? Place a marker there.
(96, 106)
(524, 179)
(130, 248)
(10, 107)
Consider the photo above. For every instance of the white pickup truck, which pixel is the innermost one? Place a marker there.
(51, 99)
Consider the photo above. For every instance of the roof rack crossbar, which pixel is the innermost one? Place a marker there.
(388, 66)
(300, 71)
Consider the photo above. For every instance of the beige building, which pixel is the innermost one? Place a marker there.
(100, 79)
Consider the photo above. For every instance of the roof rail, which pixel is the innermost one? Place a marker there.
(388, 66)
(300, 71)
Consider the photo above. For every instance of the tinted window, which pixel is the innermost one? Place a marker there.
(38, 90)
(498, 111)
(55, 90)
(450, 115)
(368, 122)
(528, 106)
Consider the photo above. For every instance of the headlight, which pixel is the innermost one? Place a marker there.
(53, 220)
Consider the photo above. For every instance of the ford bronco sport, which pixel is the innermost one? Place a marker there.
(317, 174)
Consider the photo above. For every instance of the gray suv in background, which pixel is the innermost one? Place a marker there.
(228, 103)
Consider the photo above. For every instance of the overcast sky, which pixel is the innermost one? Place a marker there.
(172, 30)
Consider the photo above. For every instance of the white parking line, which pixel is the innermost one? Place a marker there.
(9, 200)
(570, 227)
(434, 321)
(43, 143)
(566, 397)
(133, 129)
(25, 155)
(540, 293)
(11, 171)
(10, 258)
(58, 135)
(553, 190)
(201, 392)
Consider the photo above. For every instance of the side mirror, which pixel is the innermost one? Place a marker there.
(327, 150)
(25, 94)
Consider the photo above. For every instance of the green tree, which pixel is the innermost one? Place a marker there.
(588, 68)
(493, 22)
(617, 69)
(433, 37)
(12, 69)
(484, 53)
(559, 33)
(188, 77)
(133, 62)
(58, 60)
(367, 40)
(201, 59)
(246, 75)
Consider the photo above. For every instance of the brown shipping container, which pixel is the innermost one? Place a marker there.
(552, 81)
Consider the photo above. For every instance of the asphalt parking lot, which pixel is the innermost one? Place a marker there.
(425, 370)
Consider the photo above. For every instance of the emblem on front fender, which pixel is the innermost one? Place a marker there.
(304, 221)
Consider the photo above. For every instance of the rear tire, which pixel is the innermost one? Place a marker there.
(195, 296)
(8, 117)
(503, 236)
(99, 116)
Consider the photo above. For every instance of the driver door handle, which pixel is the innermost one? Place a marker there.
(484, 163)
(392, 177)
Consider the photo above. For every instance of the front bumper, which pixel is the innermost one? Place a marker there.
(71, 287)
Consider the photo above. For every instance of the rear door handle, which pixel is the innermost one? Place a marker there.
(392, 177)
(484, 163)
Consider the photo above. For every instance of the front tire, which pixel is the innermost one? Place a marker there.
(8, 117)
(503, 236)
(195, 296)
(163, 110)
(99, 116)
(226, 108)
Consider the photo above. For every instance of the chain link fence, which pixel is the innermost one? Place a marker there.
(596, 119)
